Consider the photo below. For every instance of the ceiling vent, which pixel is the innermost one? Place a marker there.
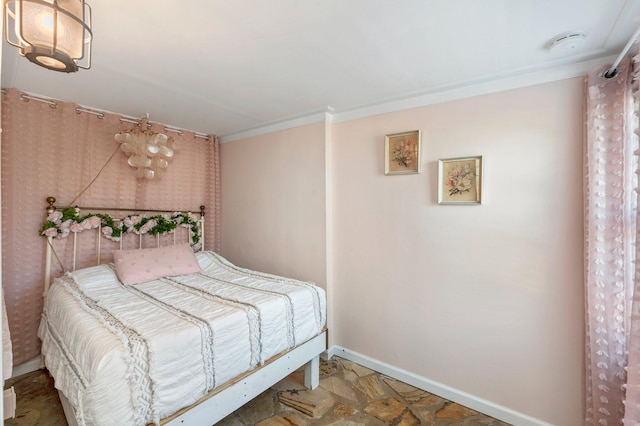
(567, 43)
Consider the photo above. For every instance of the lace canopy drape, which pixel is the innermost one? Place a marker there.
(611, 182)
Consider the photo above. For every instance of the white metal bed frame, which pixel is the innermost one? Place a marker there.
(225, 399)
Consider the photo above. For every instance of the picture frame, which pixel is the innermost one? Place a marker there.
(402, 153)
(460, 180)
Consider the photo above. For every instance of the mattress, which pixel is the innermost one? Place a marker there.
(135, 354)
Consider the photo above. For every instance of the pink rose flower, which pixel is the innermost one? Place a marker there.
(107, 231)
(76, 227)
(50, 232)
(55, 217)
(147, 226)
(92, 222)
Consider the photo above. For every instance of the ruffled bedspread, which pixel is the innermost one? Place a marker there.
(135, 354)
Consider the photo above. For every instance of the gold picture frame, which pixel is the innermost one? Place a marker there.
(460, 180)
(402, 153)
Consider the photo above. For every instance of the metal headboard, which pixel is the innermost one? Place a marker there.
(51, 208)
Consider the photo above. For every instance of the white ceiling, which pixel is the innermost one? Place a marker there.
(223, 67)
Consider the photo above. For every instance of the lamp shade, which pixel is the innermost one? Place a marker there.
(55, 34)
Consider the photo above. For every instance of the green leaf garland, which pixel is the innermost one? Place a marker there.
(61, 223)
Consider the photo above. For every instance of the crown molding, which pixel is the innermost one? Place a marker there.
(477, 88)
(438, 95)
(281, 125)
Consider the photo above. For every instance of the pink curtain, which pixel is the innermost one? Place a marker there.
(56, 152)
(610, 241)
(632, 403)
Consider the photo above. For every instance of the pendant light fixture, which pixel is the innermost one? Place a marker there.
(55, 34)
(149, 152)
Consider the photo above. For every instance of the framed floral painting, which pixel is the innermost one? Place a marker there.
(402, 153)
(460, 180)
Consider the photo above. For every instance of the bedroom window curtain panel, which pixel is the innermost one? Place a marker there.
(57, 151)
(632, 403)
(612, 320)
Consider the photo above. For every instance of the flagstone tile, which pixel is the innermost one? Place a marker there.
(413, 395)
(261, 407)
(328, 367)
(392, 412)
(353, 371)
(344, 410)
(454, 411)
(370, 386)
(274, 421)
(230, 420)
(426, 416)
(339, 387)
(294, 381)
(349, 422)
(294, 418)
(312, 403)
(291, 419)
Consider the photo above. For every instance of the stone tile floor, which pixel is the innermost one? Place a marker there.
(348, 395)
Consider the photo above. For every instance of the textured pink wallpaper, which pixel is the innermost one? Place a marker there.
(56, 152)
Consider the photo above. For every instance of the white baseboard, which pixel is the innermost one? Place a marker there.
(9, 403)
(328, 354)
(475, 403)
(27, 367)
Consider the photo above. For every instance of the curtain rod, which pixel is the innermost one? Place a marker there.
(28, 98)
(88, 111)
(613, 70)
(100, 115)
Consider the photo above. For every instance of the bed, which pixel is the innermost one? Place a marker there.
(163, 335)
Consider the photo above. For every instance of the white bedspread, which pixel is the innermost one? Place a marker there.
(135, 354)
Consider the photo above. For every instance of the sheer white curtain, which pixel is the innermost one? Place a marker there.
(611, 183)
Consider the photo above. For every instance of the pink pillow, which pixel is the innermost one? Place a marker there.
(138, 266)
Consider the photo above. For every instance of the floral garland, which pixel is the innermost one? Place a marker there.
(60, 224)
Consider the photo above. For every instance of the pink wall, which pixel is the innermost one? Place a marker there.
(486, 299)
(273, 203)
(57, 152)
